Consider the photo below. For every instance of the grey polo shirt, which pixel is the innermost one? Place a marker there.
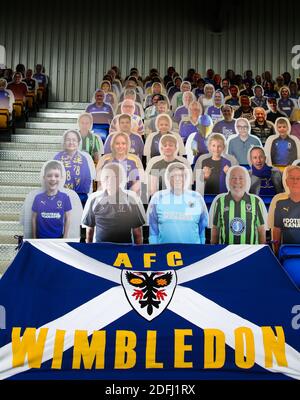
(239, 148)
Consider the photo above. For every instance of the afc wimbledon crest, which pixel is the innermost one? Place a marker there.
(149, 293)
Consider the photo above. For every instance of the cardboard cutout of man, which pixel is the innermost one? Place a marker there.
(237, 216)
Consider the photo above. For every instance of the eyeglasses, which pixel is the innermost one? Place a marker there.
(242, 127)
(71, 140)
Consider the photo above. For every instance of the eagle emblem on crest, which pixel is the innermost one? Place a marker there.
(149, 293)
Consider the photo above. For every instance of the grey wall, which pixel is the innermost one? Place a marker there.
(77, 45)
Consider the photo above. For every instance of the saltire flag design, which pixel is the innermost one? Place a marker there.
(166, 313)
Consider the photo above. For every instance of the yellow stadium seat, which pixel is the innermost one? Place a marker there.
(40, 93)
(4, 118)
(18, 107)
(30, 100)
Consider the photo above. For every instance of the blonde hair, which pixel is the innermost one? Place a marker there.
(114, 138)
(216, 136)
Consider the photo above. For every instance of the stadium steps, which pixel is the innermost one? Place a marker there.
(37, 139)
(56, 115)
(11, 228)
(67, 105)
(39, 131)
(66, 119)
(13, 178)
(8, 239)
(29, 148)
(10, 210)
(15, 193)
(51, 125)
(61, 111)
(34, 166)
(26, 155)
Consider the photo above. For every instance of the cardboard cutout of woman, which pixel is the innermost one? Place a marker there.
(79, 165)
(177, 214)
(120, 145)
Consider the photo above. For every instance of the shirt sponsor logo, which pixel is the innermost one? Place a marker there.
(173, 215)
(291, 222)
(50, 215)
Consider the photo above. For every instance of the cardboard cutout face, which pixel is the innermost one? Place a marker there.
(209, 91)
(112, 178)
(257, 157)
(120, 145)
(242, 127)
(178, 177)
(124, 123)
(168, 146)
(163, 123)
(71, 141)
(85, 123)
(237, 181)
(218, 99)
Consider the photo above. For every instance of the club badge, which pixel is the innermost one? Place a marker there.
(149, 293)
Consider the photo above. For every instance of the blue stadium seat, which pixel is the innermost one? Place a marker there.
(102, 130)
(289, 256)
(209, 198)
(267, 200)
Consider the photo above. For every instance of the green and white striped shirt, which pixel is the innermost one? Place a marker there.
(238, 221)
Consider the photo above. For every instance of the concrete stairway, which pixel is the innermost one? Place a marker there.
(20, 165)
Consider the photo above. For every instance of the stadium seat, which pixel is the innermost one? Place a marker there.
(30, 100)
(18, 108)
(102, 130)
(266, 198)
(41, 93)
(4, 119)
(209, 198)
(289, 256)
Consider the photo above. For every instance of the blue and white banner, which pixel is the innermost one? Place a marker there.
(105, 311)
